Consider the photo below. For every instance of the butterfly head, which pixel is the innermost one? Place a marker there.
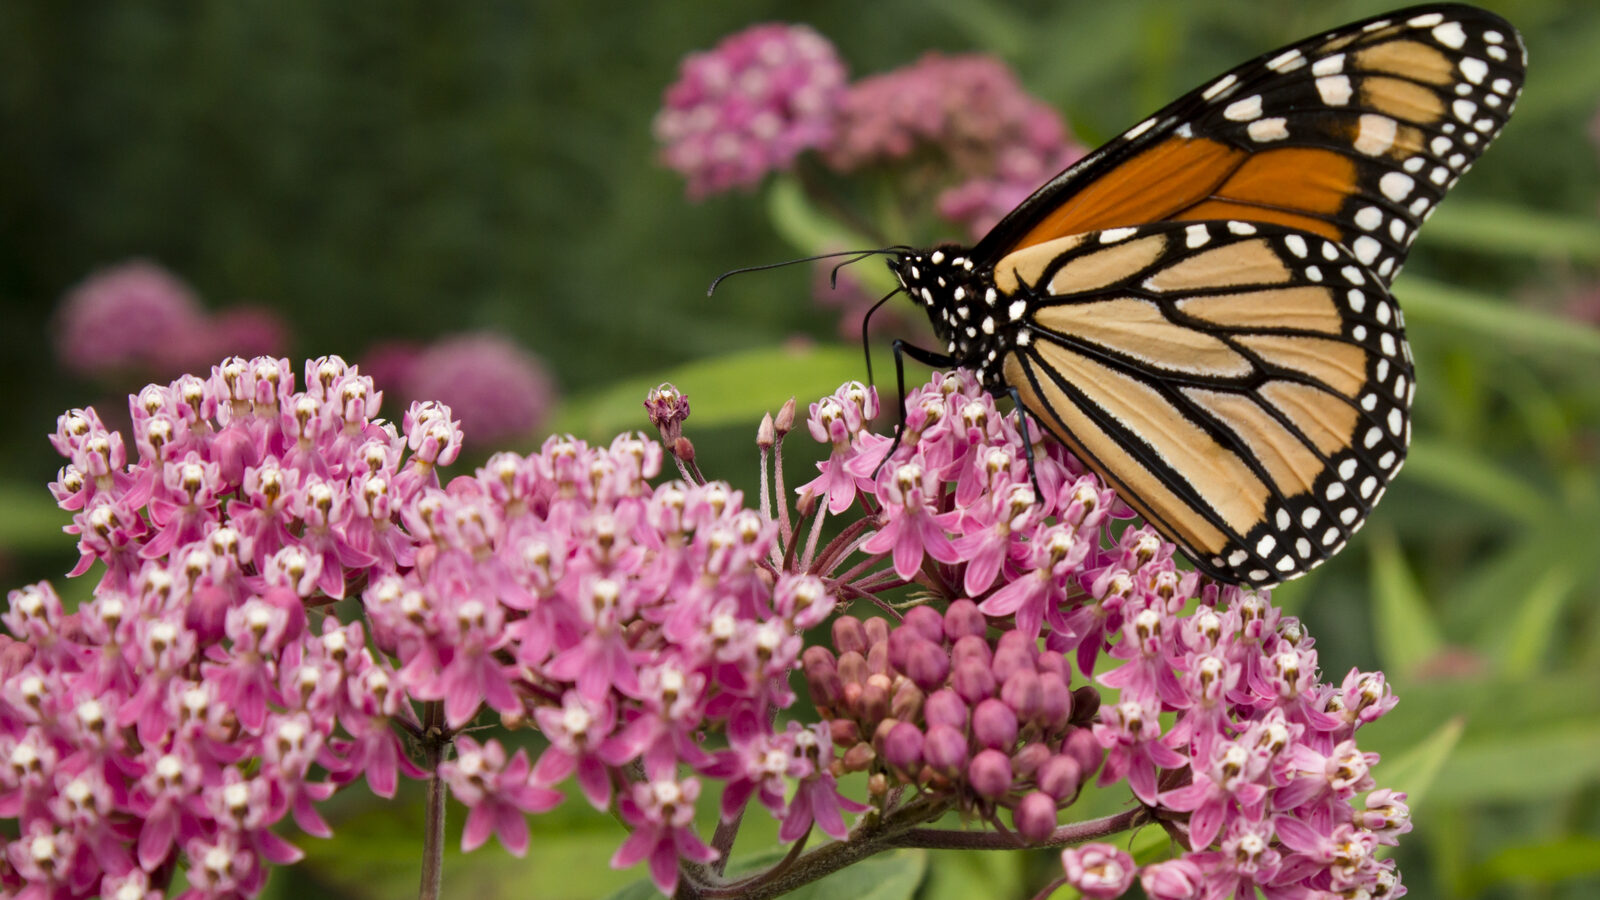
(958, 295)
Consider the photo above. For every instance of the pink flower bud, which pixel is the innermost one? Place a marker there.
(945, 707)
(973, 681)
(1024, 693)
(994, 724)
(1060, 777)
(926, 621)
(989, 773)
(1174, 879)
(1035, 816)
(945, 749)
(903, 747)
(962, 619)
(1082, 746)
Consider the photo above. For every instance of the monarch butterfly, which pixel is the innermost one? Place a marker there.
(1200, 308)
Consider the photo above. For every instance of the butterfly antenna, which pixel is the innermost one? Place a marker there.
(858, 254)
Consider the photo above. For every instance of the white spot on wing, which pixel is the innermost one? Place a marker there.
(1328, 65)
(1244, 110)
(1263, 130)
(1335, 89)
(1296, 245)
(1368, 218)
(1375, 134)
(1112, 235)
(1221, 85)
(1450, 35)
(1475, 69)
(1196, 235)
(1366, 248)
(1286, 61)
(1396, 185)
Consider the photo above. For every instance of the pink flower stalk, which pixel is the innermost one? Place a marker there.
(749, 106)
(649, 629)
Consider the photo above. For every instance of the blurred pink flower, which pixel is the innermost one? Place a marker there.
(392, 362)
(969, 108)
(996, 143)
(749, 106)
(246, 331)
(134, 316)
(495, 387)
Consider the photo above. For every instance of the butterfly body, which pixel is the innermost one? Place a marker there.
(1200, 309)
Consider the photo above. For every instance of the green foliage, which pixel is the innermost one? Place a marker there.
(407, 170)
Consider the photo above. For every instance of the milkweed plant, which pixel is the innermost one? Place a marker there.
(939, 642)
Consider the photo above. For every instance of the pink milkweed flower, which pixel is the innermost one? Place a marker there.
(911, 529)
(749, 106)
(500, 793)
(661, 814)
(1099, 870)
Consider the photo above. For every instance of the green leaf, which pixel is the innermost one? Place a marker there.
(1415, 770)
(1535, 764)
(1533, 626)
(32, 522)
(961, 875)
(1514, 230)
(1445, 305)
(1571, 856)
(1464, 472)
(888, 876)
(1408, 635)
(735, 389)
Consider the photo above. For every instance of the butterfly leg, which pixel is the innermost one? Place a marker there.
(921, 355)
(1027, 441)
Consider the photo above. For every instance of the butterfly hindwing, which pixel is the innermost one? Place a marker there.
(1246, 386)
(1354, 135)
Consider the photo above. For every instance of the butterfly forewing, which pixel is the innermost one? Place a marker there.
(1353, 135)
(1245, 386)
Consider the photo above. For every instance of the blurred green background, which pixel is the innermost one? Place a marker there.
(404, 169)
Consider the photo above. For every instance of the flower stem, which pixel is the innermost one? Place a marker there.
(435, 741)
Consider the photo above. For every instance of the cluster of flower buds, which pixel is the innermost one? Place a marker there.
(936, 702)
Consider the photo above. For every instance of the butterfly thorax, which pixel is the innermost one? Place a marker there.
(966, 310)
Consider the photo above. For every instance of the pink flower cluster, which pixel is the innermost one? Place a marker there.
(970, 113)
(648, 630)
(749, 106)
(1259, 770)
(139, 318)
